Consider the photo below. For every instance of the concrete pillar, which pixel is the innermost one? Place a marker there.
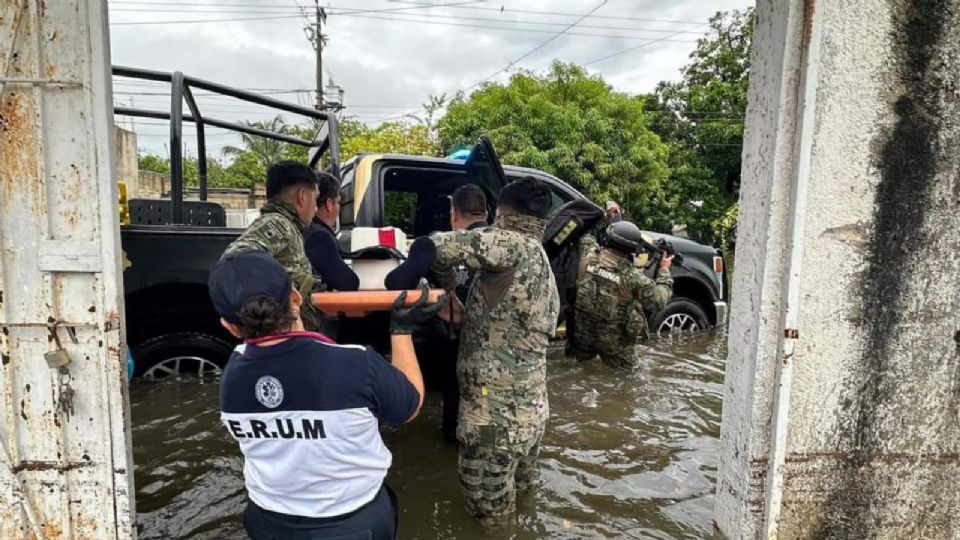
(65, 462)
(841, 411)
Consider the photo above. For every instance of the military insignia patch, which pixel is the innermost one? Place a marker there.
(272, 233)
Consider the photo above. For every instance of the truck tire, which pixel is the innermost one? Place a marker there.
(181, 354)
(680, 315)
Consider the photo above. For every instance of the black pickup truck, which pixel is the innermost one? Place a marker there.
(171, 326)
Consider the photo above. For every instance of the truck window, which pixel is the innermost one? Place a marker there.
(400, 210)
(417, 199)
(557, 199)
(346, 198)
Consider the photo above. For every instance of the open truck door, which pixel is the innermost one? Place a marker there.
(561, 236)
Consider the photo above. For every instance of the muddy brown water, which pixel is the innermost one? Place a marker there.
(626, 455)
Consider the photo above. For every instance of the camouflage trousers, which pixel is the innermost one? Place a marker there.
(491, 476)
(621, 357)
(585, 342)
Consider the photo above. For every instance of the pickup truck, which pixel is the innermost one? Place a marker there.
(171, 326)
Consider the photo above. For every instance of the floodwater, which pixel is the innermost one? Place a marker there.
(626, 455)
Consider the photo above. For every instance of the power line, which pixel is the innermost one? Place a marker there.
(285, 9)
(521, 58)
(436, 23)
(634, 48)
(237, 19)
(538, 47)
(282, 8)
(562, 14)
(540, 23)
(511, 29)
(455, 5)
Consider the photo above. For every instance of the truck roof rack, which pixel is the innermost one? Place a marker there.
(181, 89)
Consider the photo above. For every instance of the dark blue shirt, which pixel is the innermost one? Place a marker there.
(323, 251)
(306, 415)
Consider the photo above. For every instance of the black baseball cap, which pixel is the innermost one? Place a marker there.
(240, 277)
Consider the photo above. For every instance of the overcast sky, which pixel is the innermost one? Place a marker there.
(387, 55)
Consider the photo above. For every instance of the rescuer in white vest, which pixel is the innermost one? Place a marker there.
(306, 411)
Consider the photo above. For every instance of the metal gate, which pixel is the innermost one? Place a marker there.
(65, 464)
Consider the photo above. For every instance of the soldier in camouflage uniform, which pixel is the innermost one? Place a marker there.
(613, 296)
(292, 190)
(510, 315)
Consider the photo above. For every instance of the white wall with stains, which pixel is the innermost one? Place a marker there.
(843, 382)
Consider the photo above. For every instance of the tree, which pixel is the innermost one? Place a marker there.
(266, 151)
(574, 126)
(217, 174)
(356, 137)
(389, 137)
(153, 162)
(429, 120)
(701, 117)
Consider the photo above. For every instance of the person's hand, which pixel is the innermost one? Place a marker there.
(666, 261)
(404, 320)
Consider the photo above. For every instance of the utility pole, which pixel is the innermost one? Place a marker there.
(316, 37)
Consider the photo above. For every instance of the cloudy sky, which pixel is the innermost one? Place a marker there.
(389, 55)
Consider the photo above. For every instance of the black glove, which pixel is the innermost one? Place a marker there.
(404, 320)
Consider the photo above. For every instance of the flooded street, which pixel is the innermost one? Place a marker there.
(625, 456)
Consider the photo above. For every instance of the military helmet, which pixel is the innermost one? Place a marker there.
(624, 236)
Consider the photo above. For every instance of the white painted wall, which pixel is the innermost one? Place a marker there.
(848, 235)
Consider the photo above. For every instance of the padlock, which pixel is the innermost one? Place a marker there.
(60, 357)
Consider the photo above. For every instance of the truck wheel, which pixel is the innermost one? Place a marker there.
(680, 315)
(180, 354)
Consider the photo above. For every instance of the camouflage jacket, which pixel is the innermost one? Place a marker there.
(511, 313)
(279, 231)
(615, 295)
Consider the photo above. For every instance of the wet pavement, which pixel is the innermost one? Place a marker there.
(626, 455)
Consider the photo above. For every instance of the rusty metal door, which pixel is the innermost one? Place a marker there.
(65, 464)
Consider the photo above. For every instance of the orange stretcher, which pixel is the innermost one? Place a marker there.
(362, 303)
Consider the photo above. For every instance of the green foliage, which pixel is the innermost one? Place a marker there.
(387, 138)
(671, 157)
(575, 127)
(249, 163)
(217, 174)
(247, 169)
(265, 151)
(151, 162)
(399, 208)
(701, 117)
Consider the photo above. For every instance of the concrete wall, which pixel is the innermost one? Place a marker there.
(127, 168)
(154, 185)
(843, 384)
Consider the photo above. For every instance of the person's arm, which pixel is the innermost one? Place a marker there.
(273, 234)
(324, 256)
(267, 233)
(586, 244)
(405, 360)
(395, 394)
(403, 321)
(654, 294)
(476, 250)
